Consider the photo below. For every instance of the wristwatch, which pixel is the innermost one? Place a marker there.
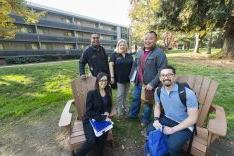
(156, 118)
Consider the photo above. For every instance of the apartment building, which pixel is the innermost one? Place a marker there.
(59, 33)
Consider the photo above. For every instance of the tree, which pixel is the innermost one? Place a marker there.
(198, 17)
(8, 7)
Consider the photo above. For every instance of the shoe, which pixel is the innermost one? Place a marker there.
(143, 124)
(143, 133)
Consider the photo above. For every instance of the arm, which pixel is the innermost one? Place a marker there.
(90, 111)
(189, 121)
(111, 68)
(83, 61)
(161, 61)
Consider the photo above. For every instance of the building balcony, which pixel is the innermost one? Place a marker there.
(66, 26)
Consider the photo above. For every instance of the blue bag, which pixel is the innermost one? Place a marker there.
(156, 144)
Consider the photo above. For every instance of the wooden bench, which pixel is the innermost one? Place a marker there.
(80, 88)
(207, 129)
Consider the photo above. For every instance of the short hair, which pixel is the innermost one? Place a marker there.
(94, 33)
(152, 32)
(118, 43)
(169, 67)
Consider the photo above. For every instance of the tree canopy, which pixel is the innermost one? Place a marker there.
(8, 7)
(187, 16)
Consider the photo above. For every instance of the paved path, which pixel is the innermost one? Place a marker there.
(33, 64)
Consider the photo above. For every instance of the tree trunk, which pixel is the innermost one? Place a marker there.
(196, 48)
(228, 46)
(209, 44)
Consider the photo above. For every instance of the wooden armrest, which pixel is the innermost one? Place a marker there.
(66, 116)
(218, 125)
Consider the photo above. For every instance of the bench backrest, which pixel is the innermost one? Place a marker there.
(205, 89)
(80, 88)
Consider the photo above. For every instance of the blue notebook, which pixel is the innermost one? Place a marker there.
(100, 127)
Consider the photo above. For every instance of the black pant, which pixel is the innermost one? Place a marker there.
(91, 141)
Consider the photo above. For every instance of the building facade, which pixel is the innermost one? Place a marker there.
(59, 33)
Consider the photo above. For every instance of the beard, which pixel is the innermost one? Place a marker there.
(167, 83)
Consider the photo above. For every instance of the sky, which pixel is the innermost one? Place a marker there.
(115, 11)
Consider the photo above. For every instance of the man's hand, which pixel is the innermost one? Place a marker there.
(168, 130)
(148, 87)
(157, 124)
(83, 76)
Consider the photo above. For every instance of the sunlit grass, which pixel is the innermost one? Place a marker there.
(36, 90)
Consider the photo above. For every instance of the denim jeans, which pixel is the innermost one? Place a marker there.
(136, 106)
(175, 141)
(91, 141)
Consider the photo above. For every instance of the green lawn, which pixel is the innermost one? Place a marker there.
(39, 88)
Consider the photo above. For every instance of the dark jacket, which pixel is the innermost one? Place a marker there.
(95, 106)
(96, 59)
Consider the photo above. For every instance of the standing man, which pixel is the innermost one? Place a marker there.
(178, 117)
(148, 63)
(95, 56)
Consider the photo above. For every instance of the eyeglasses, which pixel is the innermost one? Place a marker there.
(167, 75)
(95, 38)
(102, 80)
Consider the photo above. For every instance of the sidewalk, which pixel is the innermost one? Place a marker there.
(32, 64)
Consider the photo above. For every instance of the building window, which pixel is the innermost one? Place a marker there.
(25, 29)
(1, 46)
(18, 45)
(34, 46)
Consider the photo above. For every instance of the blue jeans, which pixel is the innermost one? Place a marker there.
(175, 141)
(136, 106)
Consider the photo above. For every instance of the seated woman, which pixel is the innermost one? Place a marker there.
(98, 107)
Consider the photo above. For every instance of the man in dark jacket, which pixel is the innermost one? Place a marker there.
(95, 56)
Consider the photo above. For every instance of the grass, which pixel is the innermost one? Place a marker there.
(37, 89)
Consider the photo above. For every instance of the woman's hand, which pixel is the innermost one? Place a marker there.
(112, 80)
(106, 113)
(108, 119)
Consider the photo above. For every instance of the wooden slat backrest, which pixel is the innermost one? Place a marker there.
(80, 88)
(205, 90)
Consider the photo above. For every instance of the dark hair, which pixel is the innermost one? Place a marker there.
(169, 67)
(152, 32)
(107, 88)
(96, 33)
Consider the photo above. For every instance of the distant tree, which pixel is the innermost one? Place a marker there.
(198, 17)
(7, 27)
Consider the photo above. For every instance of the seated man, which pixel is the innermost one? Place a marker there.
(178, 118)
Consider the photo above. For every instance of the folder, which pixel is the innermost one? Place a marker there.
(101, 127)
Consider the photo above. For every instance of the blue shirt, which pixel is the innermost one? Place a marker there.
(172, 105)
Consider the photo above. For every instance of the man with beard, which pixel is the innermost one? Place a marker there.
(177, 118)
(95, 56)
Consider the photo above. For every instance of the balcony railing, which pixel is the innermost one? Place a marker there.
(68, 26)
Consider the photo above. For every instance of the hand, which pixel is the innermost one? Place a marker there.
(83, 76)
(106, 113)
(112, 80)
(148, 87)
(168, 130)
(108, 119)
(157, 124)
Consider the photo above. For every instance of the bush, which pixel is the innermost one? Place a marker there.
(34, 59)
